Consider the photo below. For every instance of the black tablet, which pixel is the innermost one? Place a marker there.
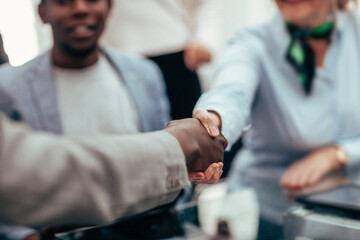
(345, 198)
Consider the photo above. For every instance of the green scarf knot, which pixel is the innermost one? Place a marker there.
(301, 56)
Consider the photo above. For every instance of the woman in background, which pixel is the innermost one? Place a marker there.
(296, 79)
(179, 35)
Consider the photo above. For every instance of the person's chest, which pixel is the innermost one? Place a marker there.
(95, 103)
(284, 113)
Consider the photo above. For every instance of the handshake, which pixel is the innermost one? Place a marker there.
(203, 146)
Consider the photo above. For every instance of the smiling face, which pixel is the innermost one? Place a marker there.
(305, 13)
(77, 24)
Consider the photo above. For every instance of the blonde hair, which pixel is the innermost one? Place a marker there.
(344, 4)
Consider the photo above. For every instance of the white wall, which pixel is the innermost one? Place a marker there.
(25, 36)
(236, 14)
(17, 25)
(243, 13)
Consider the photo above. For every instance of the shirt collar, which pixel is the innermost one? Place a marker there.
(278, 28)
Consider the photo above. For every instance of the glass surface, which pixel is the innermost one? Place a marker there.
(345, 197)
(182, 222)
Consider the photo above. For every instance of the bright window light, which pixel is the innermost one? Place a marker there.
(17, 26)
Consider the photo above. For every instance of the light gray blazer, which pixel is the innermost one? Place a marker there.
(28, 92)
(45, 180)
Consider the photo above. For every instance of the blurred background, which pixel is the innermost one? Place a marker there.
(25, 36)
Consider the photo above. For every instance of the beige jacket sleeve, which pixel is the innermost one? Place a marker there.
(47, 179)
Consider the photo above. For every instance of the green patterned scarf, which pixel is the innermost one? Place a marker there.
(300, 55)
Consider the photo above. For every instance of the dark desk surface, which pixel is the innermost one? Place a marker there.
(168, 223)
(182, 222)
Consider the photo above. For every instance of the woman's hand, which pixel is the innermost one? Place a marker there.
(311, 169)
(210, 120)
(212, 123)
(34, 236)
(211, 175)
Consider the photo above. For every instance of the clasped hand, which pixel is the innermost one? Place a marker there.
(203, 153)
(211, 122)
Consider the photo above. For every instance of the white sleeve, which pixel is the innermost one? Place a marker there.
(236, 81)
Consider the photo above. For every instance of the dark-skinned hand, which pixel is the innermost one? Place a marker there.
(200, 149)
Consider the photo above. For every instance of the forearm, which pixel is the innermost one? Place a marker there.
(51, 180)
(233, 117)
(236, 81)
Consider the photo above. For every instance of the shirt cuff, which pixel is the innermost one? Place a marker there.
(352, 149)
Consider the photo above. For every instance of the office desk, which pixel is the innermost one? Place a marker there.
(183, 223)
(301, 223)
(168, 223)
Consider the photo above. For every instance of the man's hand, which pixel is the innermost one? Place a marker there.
(311, 169)
(212, 123)
(195, 55)
(200, 149)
